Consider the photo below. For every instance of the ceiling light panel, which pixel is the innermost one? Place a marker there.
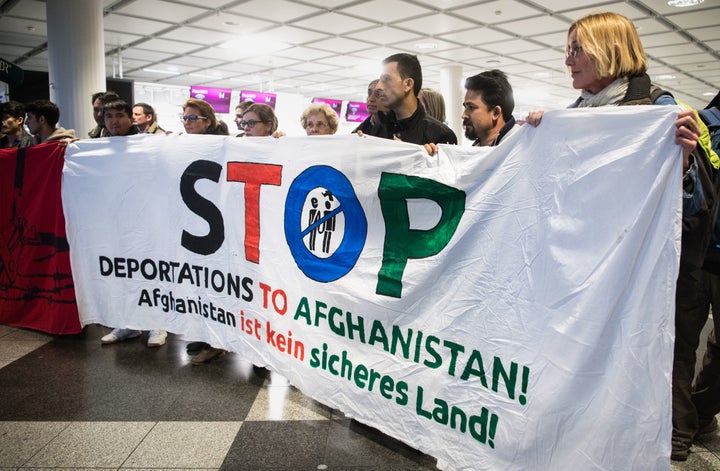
(282, 10)
(383, 11)
(334, 23)
(500, 11)
(139, 26)
(168, 11)
(436, 24)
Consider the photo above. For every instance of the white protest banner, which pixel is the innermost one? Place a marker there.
(507, 308)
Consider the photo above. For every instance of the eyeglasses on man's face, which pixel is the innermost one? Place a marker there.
(192, 117)
(573, 51)
(250, 123)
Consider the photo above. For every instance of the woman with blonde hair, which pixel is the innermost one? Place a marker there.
(318, 119)
(607, 63)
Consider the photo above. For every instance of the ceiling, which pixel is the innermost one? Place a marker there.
(333, 48)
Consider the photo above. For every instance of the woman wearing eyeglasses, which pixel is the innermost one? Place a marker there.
(607, 63)
(259, 120)
(319, 119)
(199, 118)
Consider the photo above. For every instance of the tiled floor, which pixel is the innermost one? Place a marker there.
(70, 403)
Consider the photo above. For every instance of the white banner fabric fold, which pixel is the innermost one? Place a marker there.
(497, 308)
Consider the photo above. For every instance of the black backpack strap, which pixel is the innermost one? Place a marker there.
(656, 92)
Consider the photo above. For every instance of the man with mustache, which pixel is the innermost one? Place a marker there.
(487, 108)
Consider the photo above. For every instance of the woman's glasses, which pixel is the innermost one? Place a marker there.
(250, 123)
(192, 117)
(573, 51)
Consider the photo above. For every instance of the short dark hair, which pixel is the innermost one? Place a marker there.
(13, 108)
(408, 65)
(46, 109)
(118, 105)
(105, 97)
(147, 109)
(495, 89)
(243, 105)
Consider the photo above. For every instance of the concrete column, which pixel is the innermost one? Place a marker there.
(76, 50)
(452, 89)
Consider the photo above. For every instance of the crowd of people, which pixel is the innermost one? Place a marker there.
(607, 63)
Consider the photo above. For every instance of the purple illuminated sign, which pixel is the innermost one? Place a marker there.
(356, 112)
(259, 97)
(336, 105)
(219, 98)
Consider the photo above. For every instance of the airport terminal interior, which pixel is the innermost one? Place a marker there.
(70, 403)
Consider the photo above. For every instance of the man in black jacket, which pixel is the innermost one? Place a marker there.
(488, 107)
(12, 133)
(406, 120)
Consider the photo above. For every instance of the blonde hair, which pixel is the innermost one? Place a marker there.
(205, 108)
(612, 41)
(323, 108)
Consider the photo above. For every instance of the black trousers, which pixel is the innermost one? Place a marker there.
(697, 292)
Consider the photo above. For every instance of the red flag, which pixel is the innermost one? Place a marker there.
(36, 285)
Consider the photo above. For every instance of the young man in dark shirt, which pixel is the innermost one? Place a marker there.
(406, 120)
(118, 119)
(98, 101)
(42, 119)
(12, 133)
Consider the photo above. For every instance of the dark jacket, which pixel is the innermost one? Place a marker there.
(503, 132)
(24, 140)
(369, 128)
(711, 117)
(220, 129)
(697, 228)
(420, 128)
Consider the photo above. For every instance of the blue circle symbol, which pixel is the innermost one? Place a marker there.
(347, 253)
